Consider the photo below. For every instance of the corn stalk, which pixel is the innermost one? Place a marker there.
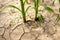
(22, 10)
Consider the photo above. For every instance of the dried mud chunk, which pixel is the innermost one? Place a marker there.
(1, 31)
(50, 30)
(1, 38)
(28, 36)
(16, 34)
(6, 34)
(44, 37)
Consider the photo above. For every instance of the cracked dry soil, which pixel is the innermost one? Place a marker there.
(13, 28)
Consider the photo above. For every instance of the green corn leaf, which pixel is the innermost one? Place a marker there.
(58, 18)
(59, 9)
(24, 1)
(11, 6)
(59, 1)
(40, 18)
(35, 4)
(49, 9)
(36, 8)
(28, 8)
(33, 7)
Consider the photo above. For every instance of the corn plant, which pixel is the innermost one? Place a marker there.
(22, 10)
(36, 8)
(39, 16)
(49, 9)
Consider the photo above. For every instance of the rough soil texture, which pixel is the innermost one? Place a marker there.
(13, 28)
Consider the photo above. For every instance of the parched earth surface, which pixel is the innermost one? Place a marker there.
(13, 28)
